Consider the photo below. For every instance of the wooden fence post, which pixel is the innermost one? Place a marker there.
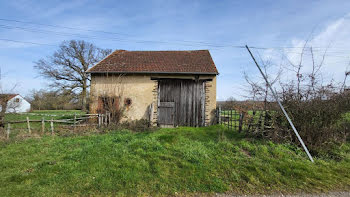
(52, 126)
(235, 113)
(99, 120)
(106, 119)
(28, 125)
(241, 116)
(43, 125)
(75, 121)
(8, 130)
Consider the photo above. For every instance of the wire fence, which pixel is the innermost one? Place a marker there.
(249, 121)
(232, 119)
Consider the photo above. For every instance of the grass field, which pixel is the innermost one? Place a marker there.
(48, 114)
(165, 162)
(38, 115)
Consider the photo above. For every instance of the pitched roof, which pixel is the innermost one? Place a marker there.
(7, 96)
(190, 62)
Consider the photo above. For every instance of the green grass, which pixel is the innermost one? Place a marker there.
(165, 162)
(48, 114)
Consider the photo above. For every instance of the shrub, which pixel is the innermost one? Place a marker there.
(137, 125)
(320, 123)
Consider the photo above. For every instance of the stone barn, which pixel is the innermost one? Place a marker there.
(168, 88)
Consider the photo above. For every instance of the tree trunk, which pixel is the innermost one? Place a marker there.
(2, 113)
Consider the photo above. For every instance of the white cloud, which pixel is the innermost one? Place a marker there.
(334, 38)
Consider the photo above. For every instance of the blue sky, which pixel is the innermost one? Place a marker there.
(179, 24)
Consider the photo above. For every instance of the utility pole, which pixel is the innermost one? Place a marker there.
(281, 106)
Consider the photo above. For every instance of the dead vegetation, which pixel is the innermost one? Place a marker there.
(319, 110)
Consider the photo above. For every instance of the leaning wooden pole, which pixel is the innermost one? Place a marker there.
(281, 106)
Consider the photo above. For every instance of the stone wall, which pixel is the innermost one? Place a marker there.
(143, 93)
(138, 88)
(210, 101)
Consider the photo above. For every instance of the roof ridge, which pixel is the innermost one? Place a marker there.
(8, 94)
(158, 50)
(165, 61)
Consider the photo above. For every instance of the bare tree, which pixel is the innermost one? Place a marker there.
(4, 98)
(316, 108)
(258, 89)
(3, 106)
(43, 99)
(68, 65)
(306, 83)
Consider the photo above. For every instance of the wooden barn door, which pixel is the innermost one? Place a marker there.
(188, 102)
(167, 112)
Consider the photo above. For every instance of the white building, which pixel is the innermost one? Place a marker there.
(15, 103)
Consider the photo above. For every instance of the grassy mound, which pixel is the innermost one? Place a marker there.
(165, 162)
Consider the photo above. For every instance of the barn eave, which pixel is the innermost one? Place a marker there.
(150, 72)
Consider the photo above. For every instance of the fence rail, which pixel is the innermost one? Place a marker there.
(77, 121)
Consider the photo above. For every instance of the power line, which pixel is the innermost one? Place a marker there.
(319, 54)
(173, 42)
(197, 44)
(25, 42)
(106, 32)
(54, 32)
(35, 43)
(59, 26)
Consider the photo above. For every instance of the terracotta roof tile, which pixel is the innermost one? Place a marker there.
(121, 61)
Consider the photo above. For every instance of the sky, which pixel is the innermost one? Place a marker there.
(278, 28)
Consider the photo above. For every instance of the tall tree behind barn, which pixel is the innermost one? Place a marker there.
(168, 88)
(68, 65)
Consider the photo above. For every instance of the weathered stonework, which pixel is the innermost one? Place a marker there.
(210, 101)
(138, 88)
(155, 104)
(143, 93)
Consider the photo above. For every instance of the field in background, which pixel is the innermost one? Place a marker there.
(166, 162)
(48, 114)
(36, 127)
